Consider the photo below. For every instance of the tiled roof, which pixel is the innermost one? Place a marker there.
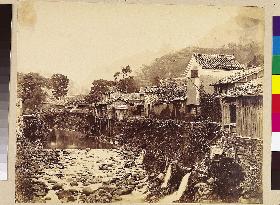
(237, 77)
(167, 94)
(217, 61)
(76, 99)
(111, 100)
(150, 89)
(251, 88)
(53, 101)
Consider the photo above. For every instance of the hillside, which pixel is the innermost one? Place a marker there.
(174, 64)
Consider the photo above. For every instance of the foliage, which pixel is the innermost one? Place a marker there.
(59, 84)
(200, 138)
(126, 70)
(30, 158)
(98, 89)
(127, 83)
(210, 107)
(116, 75)
(35, 128)
(228, 175)
(257, 60)
(30, 90)
(169, 139)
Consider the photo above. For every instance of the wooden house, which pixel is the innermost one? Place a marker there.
(120, 106)
(100, 110)
(174, 109)
(150, 99)
(202, 71)
(53, 105)
(242, 109)
(168, 100)
(239, 78)
(242, 121)
(119, 109)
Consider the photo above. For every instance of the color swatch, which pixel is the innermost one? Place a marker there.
(275, 146)
(5, 48)
(276, 83)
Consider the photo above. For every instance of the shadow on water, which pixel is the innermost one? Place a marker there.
(68, 139)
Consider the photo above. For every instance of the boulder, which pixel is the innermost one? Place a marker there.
(124, 191)
(69, 180)
(103, 167)
(57, 186)
(87, 191)
(48, 198)
(52, 181)
(71, 199)
(63, 194)
(86, 184)
(129, 164)
(38, 200)
(73, 191)
(74, 183)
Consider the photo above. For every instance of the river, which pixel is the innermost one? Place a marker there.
(83, 175)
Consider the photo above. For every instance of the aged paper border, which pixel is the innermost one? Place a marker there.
(272, 7)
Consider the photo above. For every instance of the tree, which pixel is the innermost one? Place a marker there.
(116, 75)
(98, 89)
(59, 84)
(126, 70)
(30, 90)
(127, 85)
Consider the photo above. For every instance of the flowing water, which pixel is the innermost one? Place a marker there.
(177, 194)
(166, 177)
(98, 173)
(94, 169)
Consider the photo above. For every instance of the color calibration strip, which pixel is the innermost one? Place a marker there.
(276, 85)
(5, 62)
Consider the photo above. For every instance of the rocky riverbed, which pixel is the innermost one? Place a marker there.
(91, 176)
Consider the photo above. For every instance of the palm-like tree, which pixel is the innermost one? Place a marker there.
(116, 75)
(126, 70)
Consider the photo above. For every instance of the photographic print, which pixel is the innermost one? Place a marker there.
(139, 103)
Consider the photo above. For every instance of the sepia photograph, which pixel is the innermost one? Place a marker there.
(139, 103)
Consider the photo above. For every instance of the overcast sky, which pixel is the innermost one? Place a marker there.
(88, 41)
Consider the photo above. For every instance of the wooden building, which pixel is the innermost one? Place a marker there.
(168, 100)
(120, 107)
(242, 109)
(205, 69)
(222, 86)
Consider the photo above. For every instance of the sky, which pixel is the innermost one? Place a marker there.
(88, 41)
